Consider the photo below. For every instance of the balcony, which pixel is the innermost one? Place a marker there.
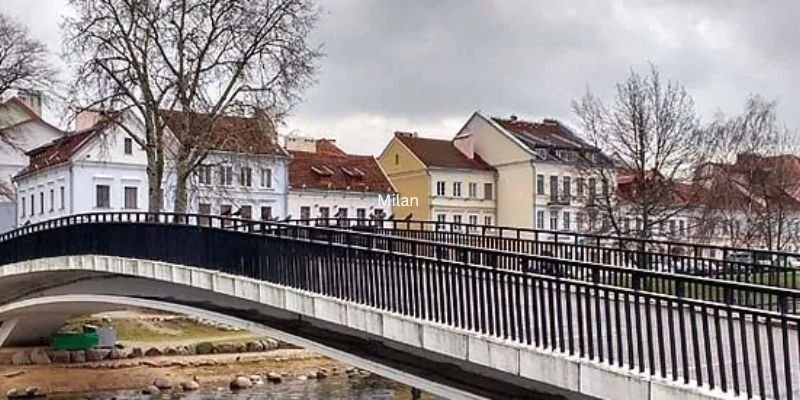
(559, 200)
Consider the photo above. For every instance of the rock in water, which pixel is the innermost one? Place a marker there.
(240, 383)
(162, 384)
(274, 377)
(190, 386)
(40, 357)
(151, 390)
(136, 353)
(322, 374)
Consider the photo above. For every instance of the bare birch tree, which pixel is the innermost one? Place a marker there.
(204, 58)
(651, 132)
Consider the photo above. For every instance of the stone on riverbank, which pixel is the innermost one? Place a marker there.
(255, 347)
(162, 384)
(77, 356)
(40, 357)
(153, 352)
(190, 386)
(136, 353)
(204, 348)
(97, 354)
(274, 377)
(241, 383)
(59, 356)
(151, 390)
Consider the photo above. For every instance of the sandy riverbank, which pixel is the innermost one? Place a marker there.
(209, 370)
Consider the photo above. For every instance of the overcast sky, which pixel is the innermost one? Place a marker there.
(425, 66)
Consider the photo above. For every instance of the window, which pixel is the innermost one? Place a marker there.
(457, 221)
(102, 196)
(579, 221)
(324, 214)
(473, 220)
(131, 197)
(266, 213)
(246, 212)
(441, 218)
(266, 178)
(541, 152)
(204, 174)
(226, 210)
(681, 228)
(626, 225)
(579, 183)
(488, 191)
(592, 187)
(540, 184)
(128, 146)
(440, 188)
(397, 159)
(473, 190)
(379, 214)
(52, 199)
(540, 219)
(567, 187)
(246, 177)
(566, 221)
(672, 230)
(553, 220)
(605, 188)
(23, 207)
(361, 215)
(61, 189)
(456, 189)
(41, 202)
(33, 208)
(226, 175)
(205, 209)
(553, 186)
(305, 214)
(487, 220)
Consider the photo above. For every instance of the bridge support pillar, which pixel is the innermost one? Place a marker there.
(6, 327)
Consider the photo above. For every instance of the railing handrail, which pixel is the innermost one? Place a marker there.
(107, 217)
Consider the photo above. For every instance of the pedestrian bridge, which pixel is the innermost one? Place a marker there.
(458, 320)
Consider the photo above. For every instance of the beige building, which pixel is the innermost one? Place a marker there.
(538, 182)
(439, 180)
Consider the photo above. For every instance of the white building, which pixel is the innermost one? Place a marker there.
(244, 174)
(326, 182)
(92, 170)
(21, 129)
(101, 168)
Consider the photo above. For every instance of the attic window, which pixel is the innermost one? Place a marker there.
(353, 172)
(322, 171)
(566, 155)
(591, 156)
(541, 152)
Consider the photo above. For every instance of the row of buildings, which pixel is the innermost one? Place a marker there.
(494, 171)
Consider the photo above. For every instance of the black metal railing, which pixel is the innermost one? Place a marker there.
(714, 344)
(757, 266)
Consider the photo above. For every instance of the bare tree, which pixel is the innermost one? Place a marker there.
(204, 58)
(752, 195)
(652, 134)
(23, 59)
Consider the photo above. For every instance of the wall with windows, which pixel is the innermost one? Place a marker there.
(246, 185)
(305, 204)
(44, 195)
(463, 196)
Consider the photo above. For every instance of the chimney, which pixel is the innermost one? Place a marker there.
(405, 134)
(301, 143)
(550, 121)
(32, 99)
(512, 118)
(86, 119)
(465, 144)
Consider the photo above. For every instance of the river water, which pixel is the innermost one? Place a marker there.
(365, 388)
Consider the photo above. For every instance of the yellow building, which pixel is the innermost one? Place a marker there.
(439, 180)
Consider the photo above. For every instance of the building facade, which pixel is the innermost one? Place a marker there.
(326, 182)
(21, 129)
(92, 170)
(440, 181)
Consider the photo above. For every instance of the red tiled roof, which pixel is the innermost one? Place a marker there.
(56, 152)
(333, 169)
(231, 133)
(440, 153)
(548, 133)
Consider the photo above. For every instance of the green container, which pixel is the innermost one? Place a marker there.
(74, 341)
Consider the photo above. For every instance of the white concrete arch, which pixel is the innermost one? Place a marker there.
(86, 304)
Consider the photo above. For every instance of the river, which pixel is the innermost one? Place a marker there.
(367, 388)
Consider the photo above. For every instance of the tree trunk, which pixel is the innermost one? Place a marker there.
(181, 192)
